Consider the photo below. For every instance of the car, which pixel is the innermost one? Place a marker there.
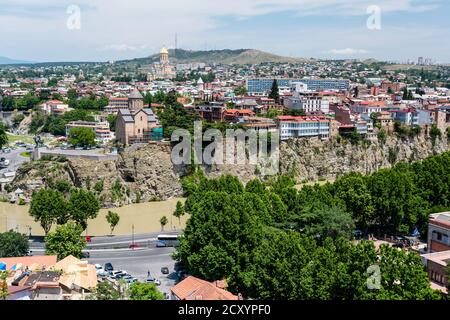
(86, 255)
(165, 270)
(116, 275)
(129, 279)
(7, 150)
(109, 267)
(153, 280)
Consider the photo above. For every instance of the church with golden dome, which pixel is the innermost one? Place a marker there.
(162, 69)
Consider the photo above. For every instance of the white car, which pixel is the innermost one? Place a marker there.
(100, 271)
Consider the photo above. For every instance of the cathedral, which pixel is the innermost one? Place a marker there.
(162, 69)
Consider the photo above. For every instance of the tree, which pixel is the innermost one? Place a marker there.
(275, 92)
(13, 244)
(352, 189)
(48, 206)
(72, 94)
(83, 205)
(435, 132)
(230, 235)
(3, 285)
(113, 219)
(179, 211)
(240, 91)
(112, 119)
(144, 291)
(82, 137)
(163, 221)
(18, 118)
(322, 221)
(104, 291)
(3, 136)
(66, 240)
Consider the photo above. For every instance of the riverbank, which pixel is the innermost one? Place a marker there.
(143, 216)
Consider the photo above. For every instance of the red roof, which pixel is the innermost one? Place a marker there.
(193, 288)
(303, 118)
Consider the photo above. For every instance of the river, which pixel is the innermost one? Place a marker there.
(144, 216)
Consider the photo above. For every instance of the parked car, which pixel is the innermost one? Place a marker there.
(129, 279)
(153, 280)
(165, 270)
(116, 275)
(109, 267)
(100, 271)
(86, 255)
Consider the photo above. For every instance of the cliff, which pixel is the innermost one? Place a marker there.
(145, 172)
(141, 174)
(313, 159)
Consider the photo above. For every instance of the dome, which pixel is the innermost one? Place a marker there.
(164, 51)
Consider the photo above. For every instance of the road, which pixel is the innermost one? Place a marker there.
(139, 262)
(113, 242)
(16, 160)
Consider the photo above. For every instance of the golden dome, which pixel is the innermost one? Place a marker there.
(164, 51)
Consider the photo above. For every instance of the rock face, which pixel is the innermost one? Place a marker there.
(313, 159)
(141, 174)
(145, 172)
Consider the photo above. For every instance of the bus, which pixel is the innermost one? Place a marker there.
(168, 240)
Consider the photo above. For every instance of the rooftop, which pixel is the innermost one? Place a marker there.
(193, 288)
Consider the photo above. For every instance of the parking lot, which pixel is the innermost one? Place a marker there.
(138, 263)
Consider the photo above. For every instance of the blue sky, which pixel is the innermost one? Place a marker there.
(113, 29)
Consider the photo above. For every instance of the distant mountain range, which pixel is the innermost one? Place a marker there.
(226, 56)
(5, 60)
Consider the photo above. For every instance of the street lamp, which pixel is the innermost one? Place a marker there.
(29, 230)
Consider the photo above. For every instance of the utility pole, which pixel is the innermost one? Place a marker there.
(176, 44)
(132, 236)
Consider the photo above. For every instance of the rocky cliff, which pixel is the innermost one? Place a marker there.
(141, 174)
(313, 159)
(145, 172)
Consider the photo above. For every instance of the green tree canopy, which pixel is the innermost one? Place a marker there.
(144, 291)
(47, 207)
(3, 136)
(13, 244)
(104, 291)
(83, 205)
(66, 240)
(82, 137)
(113, 219)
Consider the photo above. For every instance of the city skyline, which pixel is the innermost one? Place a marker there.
(327, 29)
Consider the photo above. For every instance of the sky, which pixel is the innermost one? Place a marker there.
(102, 30)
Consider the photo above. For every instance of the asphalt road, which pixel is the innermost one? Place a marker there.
(114, 242)
(16, 160)
(139, 262)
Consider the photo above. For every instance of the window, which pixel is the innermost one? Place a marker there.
(139, 130)
(141, 118)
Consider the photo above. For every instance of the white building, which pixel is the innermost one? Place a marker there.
(308, 101)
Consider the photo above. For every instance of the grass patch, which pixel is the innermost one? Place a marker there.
(25, 154)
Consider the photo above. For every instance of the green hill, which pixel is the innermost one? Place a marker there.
(240, 56)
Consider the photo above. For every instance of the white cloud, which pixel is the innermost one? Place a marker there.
(348, 51)
(128, 29)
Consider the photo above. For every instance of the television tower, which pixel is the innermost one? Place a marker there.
(176, 44)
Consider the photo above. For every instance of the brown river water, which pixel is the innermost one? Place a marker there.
(143, 216)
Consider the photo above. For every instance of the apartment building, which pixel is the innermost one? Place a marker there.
(439, 232)
(306, 127)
